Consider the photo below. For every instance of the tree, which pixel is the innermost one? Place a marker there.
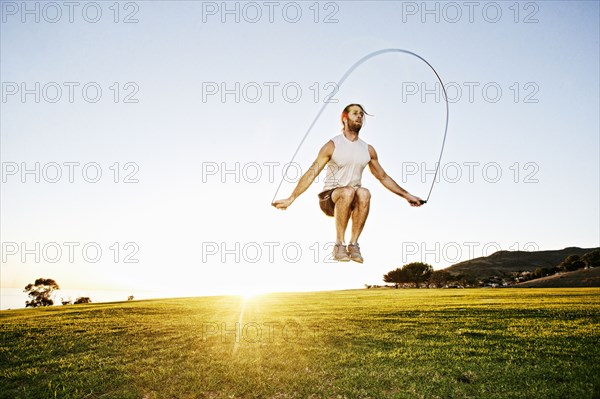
(395, 276)
(82, 299)
(542, 272)
(571, 263)
(465, 280)
(417, 272)
(440, 278)
(592, 259)
(40, 292)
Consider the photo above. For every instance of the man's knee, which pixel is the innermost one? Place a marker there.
(345, 194)
(363, 196)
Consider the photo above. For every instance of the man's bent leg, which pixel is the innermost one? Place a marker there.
(362, 202)
(343, 198)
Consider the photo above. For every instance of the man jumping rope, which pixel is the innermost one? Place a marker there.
(343, 197)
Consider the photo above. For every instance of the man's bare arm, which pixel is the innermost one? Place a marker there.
(307, 178)
(389, 183)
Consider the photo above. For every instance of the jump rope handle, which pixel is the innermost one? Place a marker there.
(422, 202)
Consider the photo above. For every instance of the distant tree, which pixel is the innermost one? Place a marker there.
(130, 298)
(82, 299)
(439, 278)
(413, 273)
(571, 263)
(40, 292)
(417, 272)
(538, 272)
(396, 277)
(541, 272)
(462, 280)
(66, 301)
(592, 259)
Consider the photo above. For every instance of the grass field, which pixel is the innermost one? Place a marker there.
(386, 343)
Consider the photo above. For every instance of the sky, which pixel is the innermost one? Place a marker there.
(142, 142)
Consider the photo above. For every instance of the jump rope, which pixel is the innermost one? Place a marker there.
(339, 84)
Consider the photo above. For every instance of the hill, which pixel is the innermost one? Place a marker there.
(503, 263)
(577, 278)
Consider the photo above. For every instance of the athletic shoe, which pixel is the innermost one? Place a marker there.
(354, 252)
(340, 254)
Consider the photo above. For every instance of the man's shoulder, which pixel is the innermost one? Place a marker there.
(328, 148)
(367, 145)
(364, 142)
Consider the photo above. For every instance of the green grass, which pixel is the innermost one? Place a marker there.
(504, 343)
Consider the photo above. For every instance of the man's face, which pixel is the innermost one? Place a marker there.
(355, 118)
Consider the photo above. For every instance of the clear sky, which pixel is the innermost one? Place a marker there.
(189, 111)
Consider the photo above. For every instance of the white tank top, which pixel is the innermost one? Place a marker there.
(347, 163)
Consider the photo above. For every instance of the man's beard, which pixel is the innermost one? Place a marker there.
(354, 127)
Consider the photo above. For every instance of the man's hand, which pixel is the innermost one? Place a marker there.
(414, 201)
(283, 204)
